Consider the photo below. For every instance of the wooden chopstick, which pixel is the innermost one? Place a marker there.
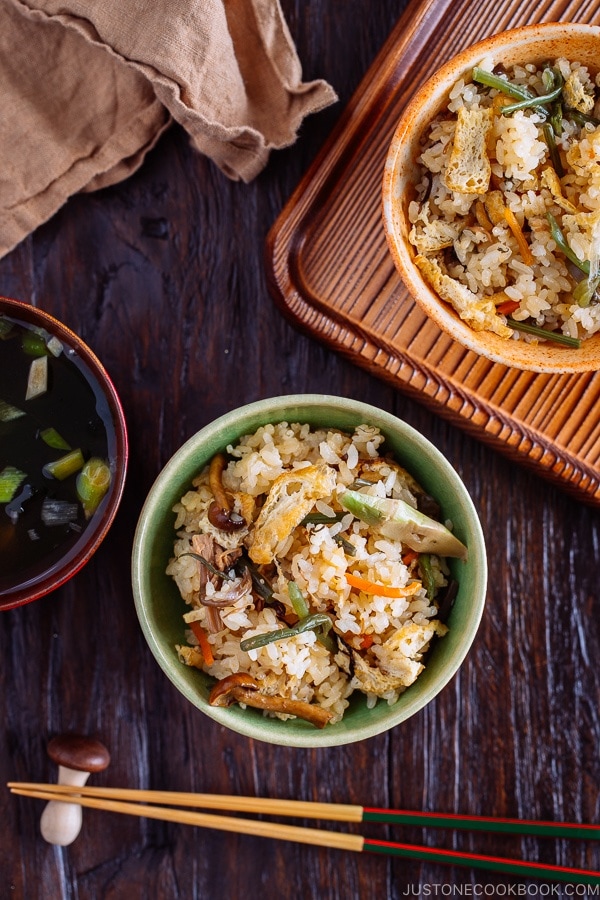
(315, 836)
(333, 812)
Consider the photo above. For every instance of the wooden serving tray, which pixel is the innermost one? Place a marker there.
(330, 270)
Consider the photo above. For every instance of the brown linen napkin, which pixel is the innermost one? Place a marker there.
(88, 86)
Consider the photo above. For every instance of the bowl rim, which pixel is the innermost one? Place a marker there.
(547, 358)
(272, 409)
(48, 582)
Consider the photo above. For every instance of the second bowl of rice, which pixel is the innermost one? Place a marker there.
(309, 571)
(491, 198)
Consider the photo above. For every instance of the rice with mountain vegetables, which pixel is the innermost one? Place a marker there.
(493, 181)
(272, 480)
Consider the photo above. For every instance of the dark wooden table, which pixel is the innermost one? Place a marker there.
(163, 276)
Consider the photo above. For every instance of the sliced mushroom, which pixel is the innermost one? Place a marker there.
(205, 546)
(243, 587)
(482, 217)
(225, 559)
(243, 688)
(494, 207)
(220, 513)
(550, 180)
(312, 713)
(222, 692)
(225, 519)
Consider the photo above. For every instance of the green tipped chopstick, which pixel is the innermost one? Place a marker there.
(115, 800)
(483, 823)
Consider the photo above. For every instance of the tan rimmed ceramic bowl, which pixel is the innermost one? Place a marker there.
(530, 44)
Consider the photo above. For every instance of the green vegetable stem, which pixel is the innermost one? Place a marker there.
(516, 91)
(297, 600)
(555, 336)
(427, 575)
(542, 100)
(315, 622)
(561, 242)
(549, 132)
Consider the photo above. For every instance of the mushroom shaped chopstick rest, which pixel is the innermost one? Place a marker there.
(76, 756)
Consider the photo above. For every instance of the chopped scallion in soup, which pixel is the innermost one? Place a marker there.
(51, 436)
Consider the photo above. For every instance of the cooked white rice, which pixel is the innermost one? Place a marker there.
(488, 261)
(391, 635)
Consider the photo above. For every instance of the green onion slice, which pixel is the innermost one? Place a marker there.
(65, 466)
(52, 438)
(6, 328)
(10, 479)
(37, 380)
(8, 412)
(33, 344)
(92, 484)
(58, 512)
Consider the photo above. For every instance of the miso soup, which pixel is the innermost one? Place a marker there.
(54, 420)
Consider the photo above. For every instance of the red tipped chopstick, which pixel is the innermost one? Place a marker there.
(115, 800)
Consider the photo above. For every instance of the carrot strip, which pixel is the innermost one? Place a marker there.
(409, 557)
(516, 229)
(205, 647)
(365, 640)
(507, 307)
(381, 590)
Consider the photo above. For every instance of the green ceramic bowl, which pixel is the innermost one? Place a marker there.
(160, 607)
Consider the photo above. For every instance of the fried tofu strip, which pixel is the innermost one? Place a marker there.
(550, 179)
(576, 95)
(479, 313)
(433, 236)
(291, 496)
(469, 168)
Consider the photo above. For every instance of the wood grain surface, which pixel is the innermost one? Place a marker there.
(163, 276)
(331, 271)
